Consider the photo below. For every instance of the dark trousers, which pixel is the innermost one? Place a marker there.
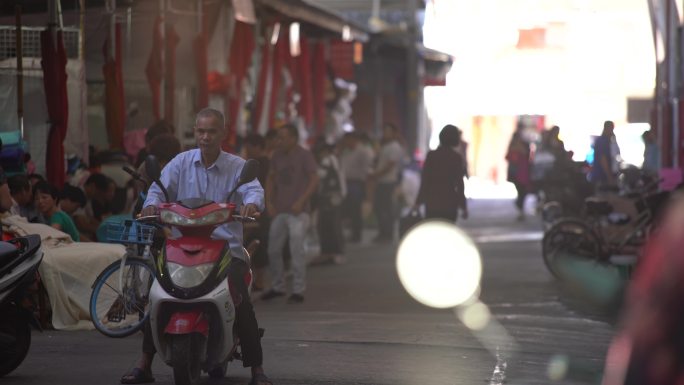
(449, 215)
(522, 194)
(356, 191)
(330, 230)
(246, 323)
(259, 259)
(383, 206)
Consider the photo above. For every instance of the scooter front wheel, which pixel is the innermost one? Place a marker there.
(185, 360)
(15, 339)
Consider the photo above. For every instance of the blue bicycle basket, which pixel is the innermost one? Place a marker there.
(129, 231)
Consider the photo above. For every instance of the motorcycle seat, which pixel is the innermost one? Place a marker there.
(8, 253)
(597, 206)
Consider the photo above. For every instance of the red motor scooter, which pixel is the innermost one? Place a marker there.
(192, 307)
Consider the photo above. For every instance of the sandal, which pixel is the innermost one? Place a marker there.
(260, 379)
(137, 376)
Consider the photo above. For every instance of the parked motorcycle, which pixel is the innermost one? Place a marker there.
(19, 260)
(192, 306)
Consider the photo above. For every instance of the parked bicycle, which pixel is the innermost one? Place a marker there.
(120, 297)
(603, 232)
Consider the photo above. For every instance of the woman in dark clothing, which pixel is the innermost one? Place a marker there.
(441, 187)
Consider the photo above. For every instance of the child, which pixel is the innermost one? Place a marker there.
(46, 202)
(72, 202)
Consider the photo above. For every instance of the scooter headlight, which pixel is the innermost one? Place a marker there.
(189, 276)
(213, 218)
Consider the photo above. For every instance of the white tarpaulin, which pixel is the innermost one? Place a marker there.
(36, 117)
(67, 271)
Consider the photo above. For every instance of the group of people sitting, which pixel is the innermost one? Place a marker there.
(90, 196)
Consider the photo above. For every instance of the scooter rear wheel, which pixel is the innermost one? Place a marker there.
(13, 325)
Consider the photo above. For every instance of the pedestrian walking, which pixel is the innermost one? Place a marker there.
(255, 148)
(442, 188)
(518, 157)
(356, 160)
(386, 178)
(332, 190)
(292, 180)
(606, 153)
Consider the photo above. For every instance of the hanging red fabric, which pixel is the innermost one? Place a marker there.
(154, 72)
(171, 40)
(280, 60)
(115, 116)
(201, 65)
(55, 82)
(201, 61)
(305, 106)
(153, 69)
(266, 51)
(241, 50)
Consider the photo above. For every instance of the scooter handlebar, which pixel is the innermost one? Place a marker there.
(242, 218)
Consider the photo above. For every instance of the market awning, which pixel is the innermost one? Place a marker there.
(437, 65)
(311, 13)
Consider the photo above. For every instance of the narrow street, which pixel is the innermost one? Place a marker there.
(358, 326)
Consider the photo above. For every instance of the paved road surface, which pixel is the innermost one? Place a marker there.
(358, 326)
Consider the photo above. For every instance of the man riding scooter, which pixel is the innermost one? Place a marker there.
(210, 173)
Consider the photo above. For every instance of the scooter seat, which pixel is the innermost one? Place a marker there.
(8, 253)
(597, 207)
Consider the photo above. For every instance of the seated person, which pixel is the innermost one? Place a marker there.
(98, 190)
(35, 178)
(72, 202)
(46, 200)
(22, 198)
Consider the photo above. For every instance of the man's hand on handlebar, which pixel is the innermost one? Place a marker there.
(249, 210)
(149, 211)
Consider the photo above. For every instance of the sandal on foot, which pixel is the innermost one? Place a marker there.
(260, 379)
(137, 376)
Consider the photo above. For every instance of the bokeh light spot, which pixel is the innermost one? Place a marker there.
(476, 316)
(558, 367)
(439, 265)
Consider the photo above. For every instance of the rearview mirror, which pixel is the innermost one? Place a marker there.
(153, 171)
(249, 172)
(152, 168)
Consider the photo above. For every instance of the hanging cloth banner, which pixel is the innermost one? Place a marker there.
(319, 79)
(154, 72)
(55, 81)
(201, 61)
(280, 60)
(172, 40)
(303, 67)
(153, 69)
(115, 115)
(263, 87)
(241, 50)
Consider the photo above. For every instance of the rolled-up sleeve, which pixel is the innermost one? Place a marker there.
(252, 193)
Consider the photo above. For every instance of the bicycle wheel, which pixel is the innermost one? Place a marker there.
(569, 235)
(120, 298)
